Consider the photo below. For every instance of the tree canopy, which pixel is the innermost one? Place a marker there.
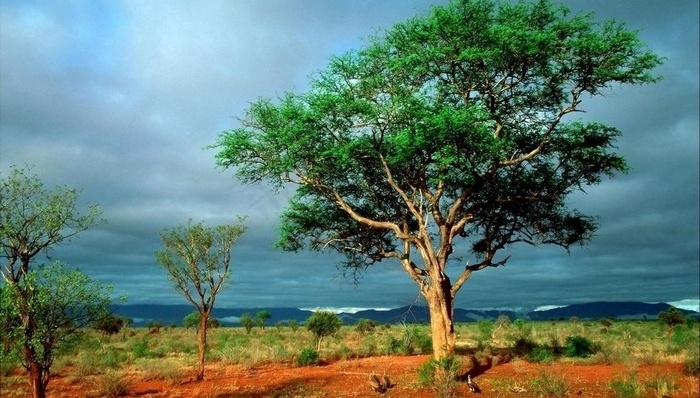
(450, 127)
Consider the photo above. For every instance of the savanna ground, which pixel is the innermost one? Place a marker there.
(518, 359)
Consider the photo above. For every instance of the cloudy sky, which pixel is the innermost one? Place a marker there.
(118, 98)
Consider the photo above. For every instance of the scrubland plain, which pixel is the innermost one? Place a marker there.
(506, 359)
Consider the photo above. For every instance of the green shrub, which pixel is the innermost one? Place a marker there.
(628, 386)
(672, 317)
(308, 357)
(691, 365)
(440, 375)
(663, 385)
(294, 325)
(578, 347)
(541, 354)
(110, 324)
(141, 350)
(548, 385)
(523, 347)
(247, 321)
(365, 325)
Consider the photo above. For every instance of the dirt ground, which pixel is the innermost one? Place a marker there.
(349, 378)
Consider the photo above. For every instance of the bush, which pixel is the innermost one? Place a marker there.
(542, 354)
(523, 347)
(627, 387)
(578, 347)
(308, 357)
(247, 321)
(365, 325)
(141, 350)
(412, 341)
(322, 324)
(691, 365)
(672, 317)
(293, 324)
(110, 324)
(548, 385)
(440, 375)
(112, 385)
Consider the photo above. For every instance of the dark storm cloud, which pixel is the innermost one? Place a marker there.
(119, 98)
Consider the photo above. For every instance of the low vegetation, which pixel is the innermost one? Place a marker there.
(171, 355)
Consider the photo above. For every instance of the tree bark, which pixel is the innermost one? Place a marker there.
(440, 305)
(35, 375)
(202, 343)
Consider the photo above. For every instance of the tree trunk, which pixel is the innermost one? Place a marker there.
(202, 343)
(36, 379)
(440, 301)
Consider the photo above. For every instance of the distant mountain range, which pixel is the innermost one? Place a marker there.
(174, 314)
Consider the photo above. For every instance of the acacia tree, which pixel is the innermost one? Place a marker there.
(445, 141)
(61, 303)
(33, 219)
(197, 259)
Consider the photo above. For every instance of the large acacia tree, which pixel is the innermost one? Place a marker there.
(197, 259)
(448, 137)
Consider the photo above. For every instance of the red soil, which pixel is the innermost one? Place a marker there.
(349, 378)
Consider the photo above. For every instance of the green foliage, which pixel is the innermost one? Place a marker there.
(578, 347)
(627, 386)
(691, 365)
(34, 218)
(197, 259)
(193, 319)
(440, 375)
(247, 321)
(293, 324)
(541, 354)
(606, 324)
(323, 323)
(61, 302)
(308, 357)
(672, 317)
(456, 120)
(413, 340)
(549, 385)
(523, 347)
(365, 325)
(110, 324)
(261, 317)
(484, 329)
(142, 350)
(662, 385)
(42, 308)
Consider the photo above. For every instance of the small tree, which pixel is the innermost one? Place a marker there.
(60, 302)
(323, 323)
(197, 259)
(672, 317)
(110, 324)
(247, 321)
(33, 219)
(261, 317)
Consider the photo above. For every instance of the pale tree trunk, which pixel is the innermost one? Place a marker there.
(202, 331)
(440, 304)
